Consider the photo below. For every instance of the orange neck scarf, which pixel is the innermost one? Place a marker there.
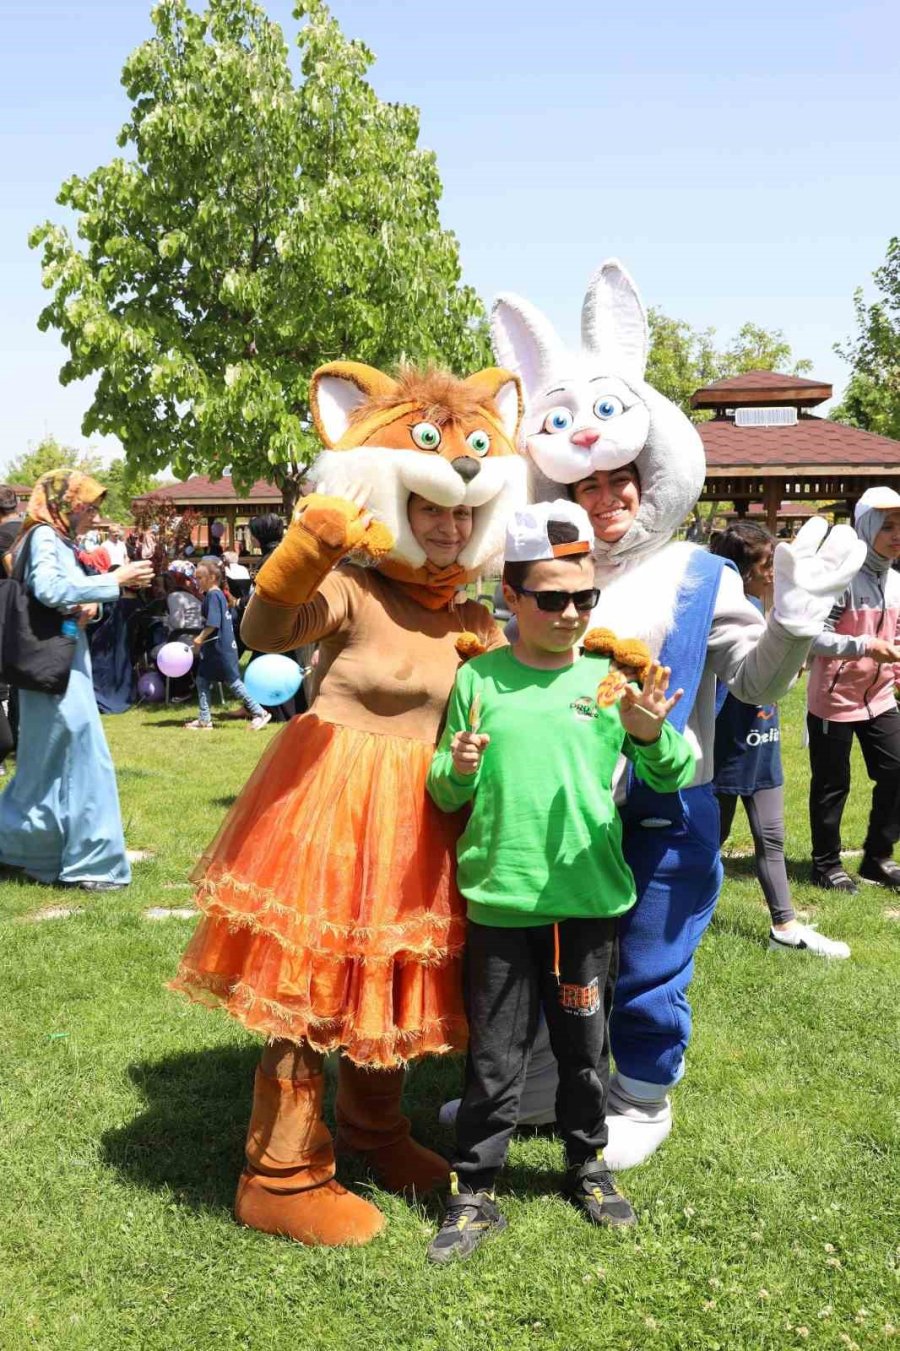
(429, 586)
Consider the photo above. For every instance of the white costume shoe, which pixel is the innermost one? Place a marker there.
(636, 1129)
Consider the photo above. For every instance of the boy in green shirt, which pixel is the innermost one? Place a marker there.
(540, 864)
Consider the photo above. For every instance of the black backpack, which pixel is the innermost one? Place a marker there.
(35, 654)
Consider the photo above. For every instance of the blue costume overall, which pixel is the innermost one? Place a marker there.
(671, 844)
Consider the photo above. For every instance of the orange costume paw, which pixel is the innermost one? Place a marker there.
(323, 530)
(469, 645)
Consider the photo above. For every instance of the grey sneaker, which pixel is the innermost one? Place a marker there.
(469, 1218)
(883, 872)
(833, 879)
(590, 1187)
(262, 721)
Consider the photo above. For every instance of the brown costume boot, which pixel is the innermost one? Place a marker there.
(370, 1124)
(288, 1185)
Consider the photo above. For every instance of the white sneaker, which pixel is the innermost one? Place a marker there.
(261, 721)
(806, 938)
(636, 1129)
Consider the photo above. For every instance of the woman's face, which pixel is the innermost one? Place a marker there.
(887, 541)
(443, 532)
(611, 500)
(82, 518)
(760, 577)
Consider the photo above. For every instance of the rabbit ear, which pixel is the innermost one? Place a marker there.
(524, 341)
(613, 322)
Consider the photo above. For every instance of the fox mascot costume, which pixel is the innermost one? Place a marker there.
(331, 919)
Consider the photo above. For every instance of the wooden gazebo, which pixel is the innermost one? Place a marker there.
(763, 445)
(219, 500)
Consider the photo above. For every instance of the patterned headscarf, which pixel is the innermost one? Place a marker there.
(56, 496)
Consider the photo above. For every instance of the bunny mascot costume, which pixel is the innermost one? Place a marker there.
(592, 410)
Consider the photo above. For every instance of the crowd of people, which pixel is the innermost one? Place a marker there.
(348, 901)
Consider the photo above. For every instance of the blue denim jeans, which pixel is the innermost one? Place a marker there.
(236, 687)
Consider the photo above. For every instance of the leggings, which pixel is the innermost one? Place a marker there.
(765, 813)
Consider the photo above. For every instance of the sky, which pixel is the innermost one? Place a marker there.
(741, 161)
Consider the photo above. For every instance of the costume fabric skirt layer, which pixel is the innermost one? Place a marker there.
(331, 913)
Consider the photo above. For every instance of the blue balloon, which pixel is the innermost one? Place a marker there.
(151, 687)
(272, 680)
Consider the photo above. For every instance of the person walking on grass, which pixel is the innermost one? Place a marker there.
(540, 862)
(217, 650)
(59, 818)
(856, 664)
(748, 761)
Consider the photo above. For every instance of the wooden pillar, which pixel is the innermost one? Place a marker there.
(231, 519)
(772, 503)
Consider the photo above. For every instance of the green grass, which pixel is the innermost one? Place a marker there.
(769, 1220)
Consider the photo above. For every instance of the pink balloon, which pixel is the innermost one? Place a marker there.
(175, 659)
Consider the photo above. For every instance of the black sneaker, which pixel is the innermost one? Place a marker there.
(834, 878)
(469, 1218)
(590, 1187)
(884, 872)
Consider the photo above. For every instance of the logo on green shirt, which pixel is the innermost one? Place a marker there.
(584, 708)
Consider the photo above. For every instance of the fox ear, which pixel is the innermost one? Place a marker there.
(337, 389)
(613, 322)
(525, 342)
(505, 390)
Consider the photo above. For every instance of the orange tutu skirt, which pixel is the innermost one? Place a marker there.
(331, 913)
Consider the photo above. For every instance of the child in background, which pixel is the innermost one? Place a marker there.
(540, 864)
(218, 650)
(748, 762)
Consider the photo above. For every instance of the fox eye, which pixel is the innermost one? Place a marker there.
(479, 441)
(558, 420)
(608, 407)
(426, 436)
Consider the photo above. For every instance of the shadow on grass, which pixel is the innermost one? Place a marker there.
(189, 1139)
(797, 869)
(227, 801)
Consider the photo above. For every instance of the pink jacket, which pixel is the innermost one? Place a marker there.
(844, 684)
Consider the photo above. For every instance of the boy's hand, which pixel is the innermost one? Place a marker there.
(466, 750)
(644, 711)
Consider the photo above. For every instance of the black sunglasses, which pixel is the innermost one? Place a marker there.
(556, 601)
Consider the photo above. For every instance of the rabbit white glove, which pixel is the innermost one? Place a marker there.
(809, 579)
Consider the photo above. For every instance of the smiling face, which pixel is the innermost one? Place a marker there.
(442, 532)
(887, 541)
(612, 501)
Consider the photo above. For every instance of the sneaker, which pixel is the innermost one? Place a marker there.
(590, 1187)
(833, 879)
(263, 719)
(883, 872)
(469, 1218)
(197, 726)
(805, 938)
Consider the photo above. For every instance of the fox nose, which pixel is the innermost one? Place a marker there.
(586, 437)
(466, 467)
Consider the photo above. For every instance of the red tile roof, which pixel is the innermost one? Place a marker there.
(761, 387)
(814, 443)
(200, 489)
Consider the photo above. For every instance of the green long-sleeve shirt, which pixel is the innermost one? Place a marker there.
(544, 840)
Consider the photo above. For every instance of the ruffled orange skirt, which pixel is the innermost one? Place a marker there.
(331, 912)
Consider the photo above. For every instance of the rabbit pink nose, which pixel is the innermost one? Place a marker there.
(586, 437)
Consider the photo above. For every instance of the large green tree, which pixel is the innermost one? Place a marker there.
(259, 226)
(47, 455)
(872, 398)
(683, 359)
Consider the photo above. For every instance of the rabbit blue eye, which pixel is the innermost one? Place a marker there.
(608, 407)
(558, 420)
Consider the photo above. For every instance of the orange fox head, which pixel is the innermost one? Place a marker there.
(451, 441)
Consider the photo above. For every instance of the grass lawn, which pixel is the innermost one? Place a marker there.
(769, 1220)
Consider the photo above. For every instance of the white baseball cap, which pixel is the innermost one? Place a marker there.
(876, 499)
(528, 540)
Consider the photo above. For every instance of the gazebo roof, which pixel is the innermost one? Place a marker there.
(762, 389)
(199, 491)
(813, 444)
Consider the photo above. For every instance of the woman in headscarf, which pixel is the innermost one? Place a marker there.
(59, 818)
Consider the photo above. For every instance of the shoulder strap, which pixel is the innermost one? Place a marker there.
(684, 649)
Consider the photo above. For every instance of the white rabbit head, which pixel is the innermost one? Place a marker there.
(592, 409)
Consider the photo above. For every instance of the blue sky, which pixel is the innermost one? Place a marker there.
(742, 162)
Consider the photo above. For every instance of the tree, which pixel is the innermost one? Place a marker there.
(872, 398)
(123, 484)
(47, 455)
(260, 227)
(683, 359)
